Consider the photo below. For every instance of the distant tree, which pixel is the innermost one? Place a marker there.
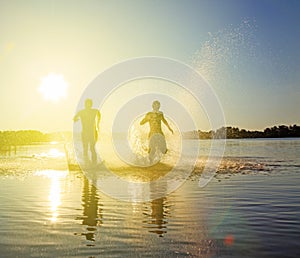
(235, 133)
(220, 133)
(22, 137)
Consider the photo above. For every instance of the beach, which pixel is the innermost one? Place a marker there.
(249, 209)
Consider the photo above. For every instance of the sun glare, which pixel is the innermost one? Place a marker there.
(53, 87)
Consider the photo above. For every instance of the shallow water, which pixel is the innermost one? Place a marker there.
(48, 211)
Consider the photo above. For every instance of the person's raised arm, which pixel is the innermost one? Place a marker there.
(167, 124)
(98, 120)
(145, 120)
(76, 117)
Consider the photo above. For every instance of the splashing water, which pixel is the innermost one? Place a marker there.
(226, 51)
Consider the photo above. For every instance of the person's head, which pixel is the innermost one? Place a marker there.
(156, 105)
(88, 103)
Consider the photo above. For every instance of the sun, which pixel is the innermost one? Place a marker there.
(53, 87)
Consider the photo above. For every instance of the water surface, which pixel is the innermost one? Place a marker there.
(48, 211)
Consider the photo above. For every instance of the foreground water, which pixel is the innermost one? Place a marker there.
(250, 209)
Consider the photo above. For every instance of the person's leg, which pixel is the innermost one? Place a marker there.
(85, 149)
(163, 145)
(152, 148)
(93, 151)
(85, 152)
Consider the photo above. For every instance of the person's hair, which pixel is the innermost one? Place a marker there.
(88, 103)
(155, 102)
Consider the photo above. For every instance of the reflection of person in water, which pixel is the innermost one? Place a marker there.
(91, 213)
(159, 210)
(90, 119)
(156, 136)
(158, 216)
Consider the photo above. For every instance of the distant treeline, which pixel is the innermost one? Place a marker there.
(229, 132)
(29, 137)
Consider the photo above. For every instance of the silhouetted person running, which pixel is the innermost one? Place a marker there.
(156, 136)
(90, 120)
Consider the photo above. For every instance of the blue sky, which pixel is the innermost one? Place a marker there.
(247, 51)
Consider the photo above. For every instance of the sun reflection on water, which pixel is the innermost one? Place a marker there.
(55, 153)
(55, 190)
(54, 197)
(52, 153)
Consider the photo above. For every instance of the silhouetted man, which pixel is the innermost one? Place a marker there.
(156, 136)
(90, 120)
